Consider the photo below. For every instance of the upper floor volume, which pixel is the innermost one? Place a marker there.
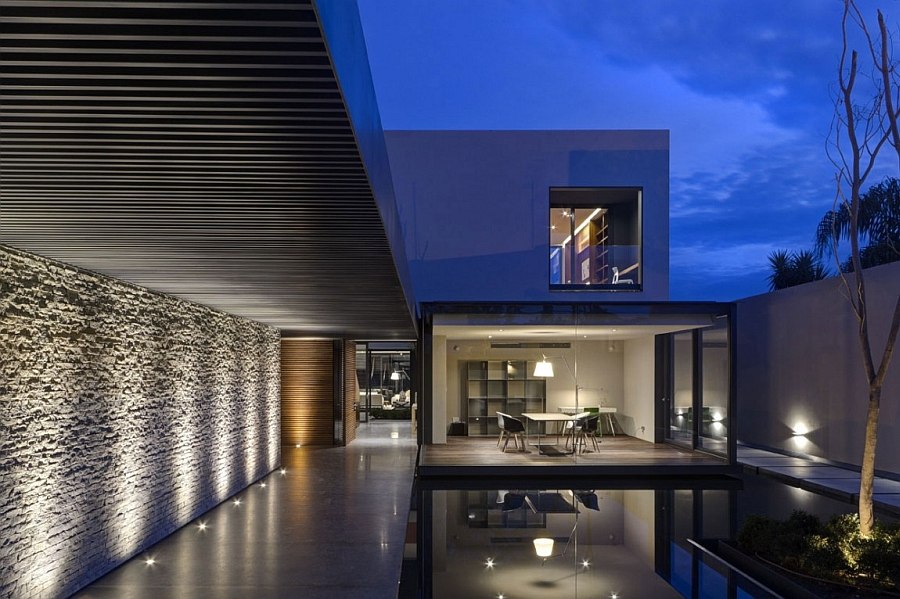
(534, 215)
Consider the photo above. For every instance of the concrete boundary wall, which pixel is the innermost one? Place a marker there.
(124, 414)
(799, 370)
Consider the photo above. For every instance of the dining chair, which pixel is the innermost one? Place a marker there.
(510, 428)
(587, 430)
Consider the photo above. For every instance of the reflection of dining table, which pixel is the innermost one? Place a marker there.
(557, 417)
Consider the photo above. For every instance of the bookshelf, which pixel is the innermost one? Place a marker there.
(500, 386)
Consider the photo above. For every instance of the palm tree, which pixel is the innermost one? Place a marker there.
(878, 224)
(794, 268)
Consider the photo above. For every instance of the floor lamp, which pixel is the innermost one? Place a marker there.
(544, 369)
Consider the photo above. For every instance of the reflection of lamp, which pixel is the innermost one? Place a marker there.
(543, 547)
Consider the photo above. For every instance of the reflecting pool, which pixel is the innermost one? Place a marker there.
(604, 539)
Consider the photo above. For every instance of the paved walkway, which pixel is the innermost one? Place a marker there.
(333, 525)
(819, 477)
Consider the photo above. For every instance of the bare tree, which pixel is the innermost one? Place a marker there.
(860, 130)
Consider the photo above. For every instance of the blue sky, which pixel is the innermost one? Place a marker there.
(744, 87)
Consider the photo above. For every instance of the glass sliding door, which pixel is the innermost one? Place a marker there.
(681, 395)
(694, 374)
(715, 353)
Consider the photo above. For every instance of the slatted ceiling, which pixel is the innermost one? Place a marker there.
(198, 148)
(307, 391)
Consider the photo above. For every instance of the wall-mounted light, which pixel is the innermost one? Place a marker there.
(799, 429)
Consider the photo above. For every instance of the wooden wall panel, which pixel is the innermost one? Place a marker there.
(351, 392)
(307, 392)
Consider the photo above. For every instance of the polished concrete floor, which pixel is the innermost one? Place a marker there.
(333, 525)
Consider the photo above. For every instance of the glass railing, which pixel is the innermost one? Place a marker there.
(596, 265)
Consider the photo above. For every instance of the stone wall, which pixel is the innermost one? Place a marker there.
(124, 414)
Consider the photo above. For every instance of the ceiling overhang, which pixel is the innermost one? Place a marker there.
(204, 150)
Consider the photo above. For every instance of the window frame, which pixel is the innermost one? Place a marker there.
(560, 204)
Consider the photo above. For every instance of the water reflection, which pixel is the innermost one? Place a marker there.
(590, 542)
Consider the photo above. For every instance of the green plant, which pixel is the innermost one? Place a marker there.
(395, 414)
(833, 551)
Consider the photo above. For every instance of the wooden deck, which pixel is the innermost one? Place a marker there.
(619, 456)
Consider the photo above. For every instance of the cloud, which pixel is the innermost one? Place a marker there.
(744, 89)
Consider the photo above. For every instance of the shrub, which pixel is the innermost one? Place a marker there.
(395, 414)
(833, 551)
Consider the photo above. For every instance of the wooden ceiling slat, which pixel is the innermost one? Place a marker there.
(197, 148)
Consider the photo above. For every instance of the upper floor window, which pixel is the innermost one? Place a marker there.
(595, 238)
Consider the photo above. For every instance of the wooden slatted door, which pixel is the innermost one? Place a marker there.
(307, 392)
(350, 392)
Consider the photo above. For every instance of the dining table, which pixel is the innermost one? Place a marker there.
(559, 418)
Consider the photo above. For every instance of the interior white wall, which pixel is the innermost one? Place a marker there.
(638, 524)
(622, 378)
(637, 417)
(439, 389)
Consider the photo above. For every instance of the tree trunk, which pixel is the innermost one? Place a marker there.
(867, 475)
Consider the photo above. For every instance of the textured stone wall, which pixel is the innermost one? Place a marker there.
(124, 414)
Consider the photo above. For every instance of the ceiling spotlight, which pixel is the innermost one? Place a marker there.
(201, 525)
(553, 227)
(149, 561)
(489, 562)
(585, 563)
(237, 502)
(263, 485)
(283, 471)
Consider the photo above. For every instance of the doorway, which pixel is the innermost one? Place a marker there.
(694, 382)
(385, 376)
